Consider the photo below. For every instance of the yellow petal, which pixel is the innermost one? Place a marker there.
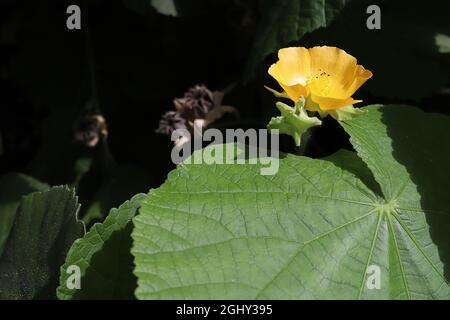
(361, 76)
(294, 91)
(332, 72)
(327, 103)
(293, 66)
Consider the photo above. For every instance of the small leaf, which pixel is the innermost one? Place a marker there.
(443, 43)
(12, 187)
(44, 228)
(166, 7)
(174, 8)
(104, 258)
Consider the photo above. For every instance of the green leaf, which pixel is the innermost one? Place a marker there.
(174, 8)
(408, 152)
(104, 258)
(351, 162)
(310, 231)
(443, 43)
(167, 7)
(12, 187)
(44, 228)
(285, 21)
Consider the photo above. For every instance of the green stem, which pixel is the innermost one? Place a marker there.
(91, 59)
(229, 88)
(107, 161)
(300, 151)
(1, 143)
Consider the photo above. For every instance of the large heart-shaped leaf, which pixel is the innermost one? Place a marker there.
(313, 229)
(45, 226)
(104, 258)
(408, 152)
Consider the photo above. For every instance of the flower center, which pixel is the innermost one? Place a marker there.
(320, 82)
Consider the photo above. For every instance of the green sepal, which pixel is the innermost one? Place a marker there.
(346, 113)
(277, 94)
(314, 107)
(293, 121)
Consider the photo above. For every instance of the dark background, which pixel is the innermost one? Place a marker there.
(132, 62)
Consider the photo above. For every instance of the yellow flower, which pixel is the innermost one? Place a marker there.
(326, 77)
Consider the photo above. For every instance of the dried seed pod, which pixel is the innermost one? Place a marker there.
(198, 108)
(196, 103)
(90, 129)
(170, 122)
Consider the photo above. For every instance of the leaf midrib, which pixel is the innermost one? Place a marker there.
(272, 192)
